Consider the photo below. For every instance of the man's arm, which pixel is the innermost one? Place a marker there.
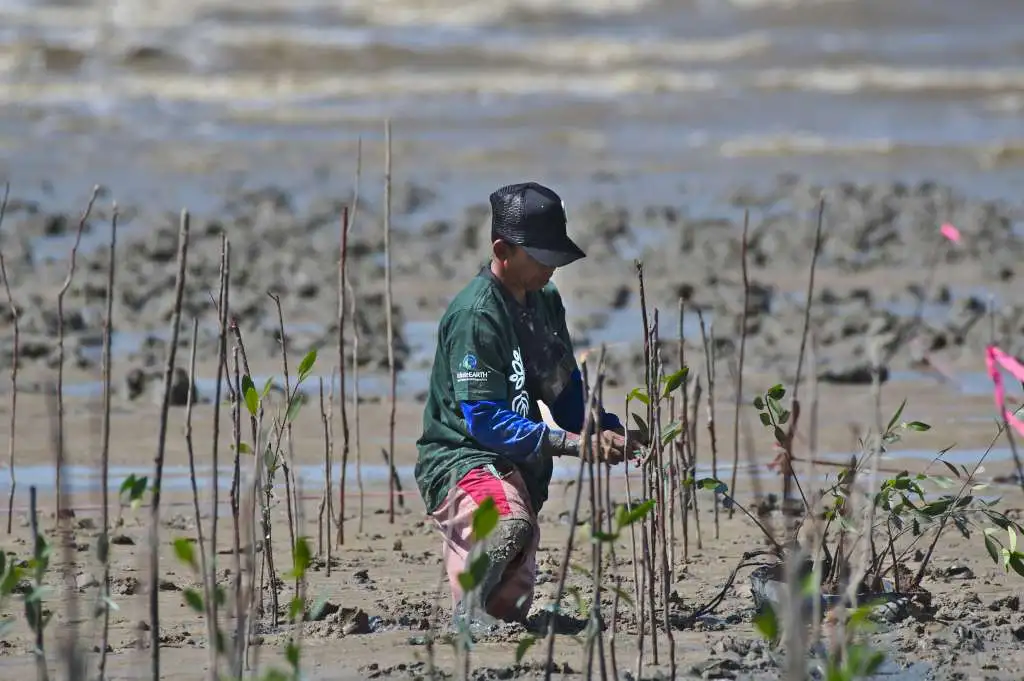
(476, 350)
(569, 408)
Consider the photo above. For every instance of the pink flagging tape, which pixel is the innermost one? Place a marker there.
(994, 360)
(950, 232)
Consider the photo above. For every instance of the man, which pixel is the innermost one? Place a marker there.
(502, 346)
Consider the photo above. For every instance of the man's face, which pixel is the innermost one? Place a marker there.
(523, 269)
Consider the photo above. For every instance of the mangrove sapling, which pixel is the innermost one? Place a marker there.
(270, 449)
(286, 468)
(787, 442)
(15, 356)
(36, 615)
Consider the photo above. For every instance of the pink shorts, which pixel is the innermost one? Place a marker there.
(513, 596)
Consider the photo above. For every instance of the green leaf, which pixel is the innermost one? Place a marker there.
(244, 448)
(252, 398)
(759, 403)
(766, 418)
(777, 392)
(767, 624)
(627, 516)
(292, 655)
(295, 607)
(896, 417)
(11, 579)
(185, 552)
(992, 548)
(1016, 563)
(641, 425)
(306, 365)
(194, 600)
(266, 387)
(673, 381)
(712, 484)
(301, 557)
(485, 519)
(294, 406)
(918, 426)
(472, 577)
(638, 394)
(524, 645)
(671, 432)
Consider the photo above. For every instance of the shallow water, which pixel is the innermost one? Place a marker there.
(666, 94)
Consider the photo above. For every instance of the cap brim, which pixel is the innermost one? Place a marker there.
(568, 253)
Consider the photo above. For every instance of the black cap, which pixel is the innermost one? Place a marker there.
(531, 216)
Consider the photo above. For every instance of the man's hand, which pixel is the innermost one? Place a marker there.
(606, 446)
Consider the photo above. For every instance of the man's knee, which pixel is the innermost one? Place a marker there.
(510, 539)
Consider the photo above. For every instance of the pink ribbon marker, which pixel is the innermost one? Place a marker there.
(950, 232)
(994, 360)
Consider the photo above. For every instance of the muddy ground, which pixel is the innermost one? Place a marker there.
(873, 283)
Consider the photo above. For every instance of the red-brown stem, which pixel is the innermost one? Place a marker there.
(743, 350)
(342, 320)
(14, 369)
(389, 315)
(60, 339)
(154, 521)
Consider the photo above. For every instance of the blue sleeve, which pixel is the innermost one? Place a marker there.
(495, 426)
(568, 410)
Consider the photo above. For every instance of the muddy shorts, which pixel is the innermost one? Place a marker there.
(514, 594)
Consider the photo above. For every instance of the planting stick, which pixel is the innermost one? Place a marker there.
(788, 479)
(743, 349)
(222, 360)
(389, 314)
(14, 368)
(656, 442)
(208, 597)
(327, 483)
(154, 520)
(648, 531)
(330, 474)
(104, 540)
(682, 444)
(694, 405)
(588, 430)
(60, 338)
(342, 319)
(709, 364)
(42, 673)
(596, 620)
(355, 341)
(236, 490)
(638, 602)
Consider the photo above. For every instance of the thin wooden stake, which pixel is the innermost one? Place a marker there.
(390, 315)
(154, 520)
(743, 349)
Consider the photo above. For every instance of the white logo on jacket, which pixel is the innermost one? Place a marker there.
(521, 401)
